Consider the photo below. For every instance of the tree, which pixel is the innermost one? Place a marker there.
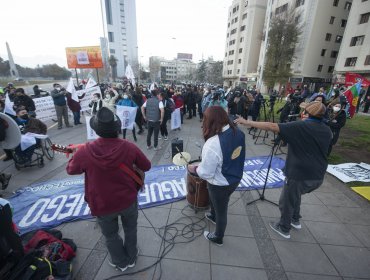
(283, 36)
(202, 71)
(4, 67)
(214, 72)
(113, 64)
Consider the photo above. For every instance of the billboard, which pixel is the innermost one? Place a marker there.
(187, 56)
(84, 57)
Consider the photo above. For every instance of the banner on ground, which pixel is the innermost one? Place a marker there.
(176, 119)
(350, 172)
(127, 116)
(49, 204)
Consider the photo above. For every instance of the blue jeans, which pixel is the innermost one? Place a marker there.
(121, 253)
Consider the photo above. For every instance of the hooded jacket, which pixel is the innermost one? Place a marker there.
(108, 189)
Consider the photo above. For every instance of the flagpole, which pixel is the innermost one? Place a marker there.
(97, 75)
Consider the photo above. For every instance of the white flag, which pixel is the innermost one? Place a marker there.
(91, 134)
(130, 74)
(71, 88)
(90, 83)
(127, 116)
(9, 106)
(176, 119)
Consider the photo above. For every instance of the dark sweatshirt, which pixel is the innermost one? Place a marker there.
(108, 189)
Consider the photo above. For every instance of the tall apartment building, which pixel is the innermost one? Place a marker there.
(119, 23)
(243, 41)
(322, 25)
(354, 53)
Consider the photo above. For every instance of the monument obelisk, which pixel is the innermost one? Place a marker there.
(13, 70)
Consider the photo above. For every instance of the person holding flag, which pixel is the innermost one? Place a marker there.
(352, 96)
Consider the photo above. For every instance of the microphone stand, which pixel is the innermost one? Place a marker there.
(262, 195)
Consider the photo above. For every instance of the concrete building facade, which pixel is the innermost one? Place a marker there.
(119, 23)
(243, 41)
(354, 53)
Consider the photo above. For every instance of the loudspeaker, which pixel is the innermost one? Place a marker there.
(177, 146)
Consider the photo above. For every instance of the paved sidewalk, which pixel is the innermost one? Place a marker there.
(334, 242)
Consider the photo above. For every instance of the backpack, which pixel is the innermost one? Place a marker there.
(169, 107)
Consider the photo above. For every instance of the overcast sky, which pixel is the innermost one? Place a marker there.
(38, 31)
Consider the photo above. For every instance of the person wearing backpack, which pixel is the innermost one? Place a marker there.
(169, 107)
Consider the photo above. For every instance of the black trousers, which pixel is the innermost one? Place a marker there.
(163, 127)
(152, 127)
(219, 197)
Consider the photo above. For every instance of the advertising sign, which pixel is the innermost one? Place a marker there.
(84, 57)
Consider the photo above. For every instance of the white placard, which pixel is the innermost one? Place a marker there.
(9, 106)
(45, 109)
(176, 119)
(82, 58)
(91, 135)
(349, 172)
(88, 96)
(127, 116)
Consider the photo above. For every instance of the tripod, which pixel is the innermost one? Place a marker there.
(268, 118)
(262, 195)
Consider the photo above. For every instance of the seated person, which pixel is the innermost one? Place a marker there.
(28, 124)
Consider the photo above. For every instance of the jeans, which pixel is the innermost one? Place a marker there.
(152, 126)
(121, 253)
(62, 112)
(219, 197)
(290, 200)
(76, 117)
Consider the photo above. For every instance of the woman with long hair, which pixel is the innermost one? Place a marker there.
(222, 166)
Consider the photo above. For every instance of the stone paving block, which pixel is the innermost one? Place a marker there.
(180, 270)
(336, 199)
(349, 261)
(156, 215)
(301, 276)
(148, 241)
(362, 233)
(236, 251)
(302, 235)
(222, 272)
(236, 207)
(84, 233)
(355, 216)
(238, 225)
(318, 213)
(332, 233)
(180, 204)
(304, 258)
(267, 209)
(92, 265)
(310, 198)
(106, 271)
(79, 260)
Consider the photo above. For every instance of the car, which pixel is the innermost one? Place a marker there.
(18, 80)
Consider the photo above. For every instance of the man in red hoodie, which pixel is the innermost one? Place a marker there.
(109, 191)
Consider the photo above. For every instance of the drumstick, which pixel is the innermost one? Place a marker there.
(182, 155)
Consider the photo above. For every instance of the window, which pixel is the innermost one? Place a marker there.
(244, 16)
(334, 54)
(238, 71)
(230, 62)
(228, 25)
(112, 51)
(241, 39)
(297, 19)
(240, 50)
(299, 3)
(338, 39)
(227, 36)
(281, 9)
(236, 19)
(367, 60)
(235, 9)
(328, 37)
(350, 61)
(242, 28)
(343, 23)
(323, 51)
(364, 18)
(335, 3)
(233, 31)
(229, 72)
(357, 41)
(319, 68)
(239, 61)
(348, 6)
(331, 20)
(330, 69)
(110, 37)
(246, 3)
(108, 12)
(231, 52)
(225, 54)
(232, 42)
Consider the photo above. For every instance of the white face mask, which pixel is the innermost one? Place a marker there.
(336, 109)
(95, 99)
(58, 88)
(125, 96)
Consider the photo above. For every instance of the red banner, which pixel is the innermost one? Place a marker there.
(353, 78)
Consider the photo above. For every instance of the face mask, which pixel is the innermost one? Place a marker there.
(125, 96)
(58, 88)
(336, 109)
(25, 117)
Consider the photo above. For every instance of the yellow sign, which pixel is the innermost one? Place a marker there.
(84, 57)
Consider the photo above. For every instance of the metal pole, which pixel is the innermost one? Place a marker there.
(260, 79)
(97, 75)
(78, 84)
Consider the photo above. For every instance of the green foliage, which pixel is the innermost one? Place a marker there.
(202, 71)
(283, 36)
(214, 73)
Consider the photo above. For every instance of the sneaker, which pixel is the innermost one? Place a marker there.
(7, 158)
(165, 138)
(149, 147)
(296, 225)
(157, 148)
(210, 236)
(210, 218)
(159, 137)
(276, 227)
(130, 265)
(122, 269)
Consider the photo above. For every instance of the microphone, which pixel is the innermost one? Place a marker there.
(293, 116)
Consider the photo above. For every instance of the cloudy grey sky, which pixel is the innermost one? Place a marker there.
(39, 30)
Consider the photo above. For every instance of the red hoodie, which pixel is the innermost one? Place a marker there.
(108, 189)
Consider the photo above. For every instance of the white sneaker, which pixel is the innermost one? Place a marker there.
(149, 147)
(165, 138)
(159, 137)
(130, 265)
(122, 269)
(157, 148)
(296, 225)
